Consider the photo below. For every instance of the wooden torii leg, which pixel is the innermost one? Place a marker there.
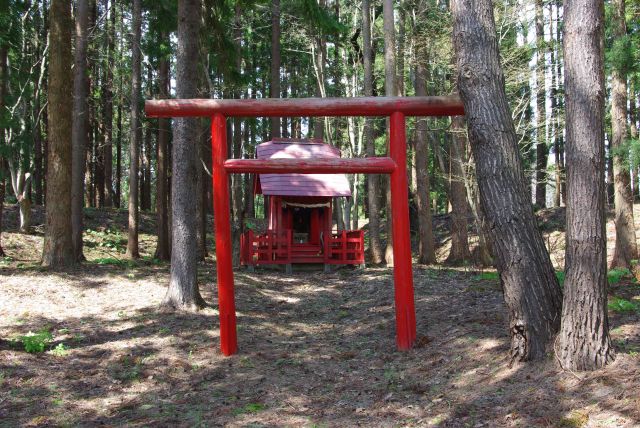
(402, 273)
(226, 301)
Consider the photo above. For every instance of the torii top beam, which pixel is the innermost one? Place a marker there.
(303, 107)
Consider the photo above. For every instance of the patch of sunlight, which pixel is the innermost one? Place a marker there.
(487, 344)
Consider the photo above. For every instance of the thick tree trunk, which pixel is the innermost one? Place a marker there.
(375, 245)
(136, 133)
(426, 247)
(459, 252)
(80, 133)
(391, 90)
(626, 248)
(183, 291)
(58, 246)
(531, 289)
(162, 218)
(274, 88)
(542, 152)
(584, 335)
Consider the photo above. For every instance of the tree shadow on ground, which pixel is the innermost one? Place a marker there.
(314, 348)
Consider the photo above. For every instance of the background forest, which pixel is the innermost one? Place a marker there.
(298, 49)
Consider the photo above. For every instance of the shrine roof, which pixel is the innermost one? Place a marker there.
(292, 184)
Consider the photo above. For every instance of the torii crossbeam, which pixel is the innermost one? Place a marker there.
(396, 108)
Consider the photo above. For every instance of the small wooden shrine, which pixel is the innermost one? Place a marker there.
(299, 227)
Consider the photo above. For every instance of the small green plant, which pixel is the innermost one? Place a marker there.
(249, 408)
(487, 276)
(617, 304)
(35, 342)
(60, 350)
(560, 275)
(110, 261)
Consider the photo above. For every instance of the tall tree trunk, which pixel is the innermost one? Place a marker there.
(375, 245)
(3, 169)
(633, 133)
(531, 289)
(391, 90)
(274, 88)
(58, 244)
(118, 190)
(610, 179)
(542, 152)
(162, 218)
(108, 106)
(626, 248)
(426, 248)
(183, 291)
(80, 125)
(136, 132)
(458, 195)
(584, 335)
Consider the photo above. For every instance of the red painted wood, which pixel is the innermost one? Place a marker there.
(226, 301)
(377, 165)
(402, 273)
(299, 107)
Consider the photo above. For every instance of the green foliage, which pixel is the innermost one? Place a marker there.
(35, 343)
(487, 276)
(617, 304)
(108, 239)
(60, 351)
(560, 275)
(616, 275)
(249, 408)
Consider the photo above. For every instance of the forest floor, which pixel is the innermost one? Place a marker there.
(316, 349)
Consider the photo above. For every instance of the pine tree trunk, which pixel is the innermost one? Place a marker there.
(391, 90)
(162, 219)
(274, 88)
(183, 291)
(3, 169)
(542, 152)
(531, 289)
(426, 247)
(58, 244)
(584, 335)
(626, 248)
(80, 125)
(108, 107)
(136, 132)
(375, 245)
(458, 195)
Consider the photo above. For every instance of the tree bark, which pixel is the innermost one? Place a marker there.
(162, 218)
(542, 152)
(58, 248)
(426, 247)
(375, 245)
(459, 252)
(391, 90)
(531, 289)
(80, 133)
(136, 133)
(584, 335)
(3, 168)
(183, 291)
(108, 107)
(274, 88)
(626, 248)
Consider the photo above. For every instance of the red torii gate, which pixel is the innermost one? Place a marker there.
(396, 108)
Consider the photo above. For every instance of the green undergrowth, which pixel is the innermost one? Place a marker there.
(618, 304)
